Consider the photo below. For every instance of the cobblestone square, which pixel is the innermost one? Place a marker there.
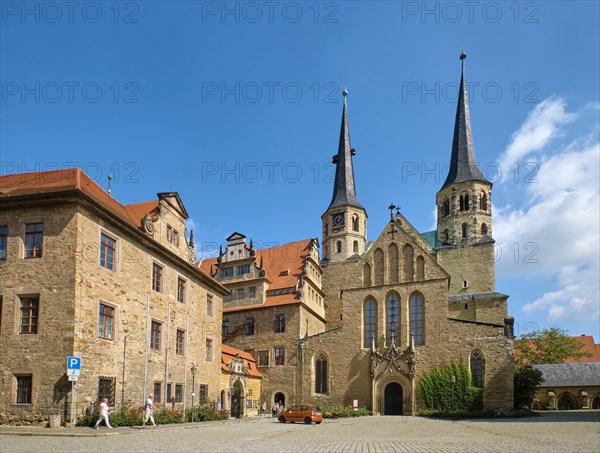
(560, 431)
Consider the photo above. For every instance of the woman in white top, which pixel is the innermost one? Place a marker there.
(148, 409)
(104, 411)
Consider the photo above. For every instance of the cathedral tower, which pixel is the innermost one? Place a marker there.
(345, 220)
(464, 212)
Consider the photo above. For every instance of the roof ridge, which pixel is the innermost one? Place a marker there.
(140, 202)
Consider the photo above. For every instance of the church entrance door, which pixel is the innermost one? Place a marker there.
(393, 399)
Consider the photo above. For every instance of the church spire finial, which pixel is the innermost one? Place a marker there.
(344, 193)
(463, 165)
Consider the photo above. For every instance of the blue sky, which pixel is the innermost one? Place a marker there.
(237, 107)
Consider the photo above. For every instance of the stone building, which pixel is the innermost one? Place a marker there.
(116, 285)
(569, 386)
(394, 307)
(275, 300)
(240, 383)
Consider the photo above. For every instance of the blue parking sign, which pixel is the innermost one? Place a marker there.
(73, 363)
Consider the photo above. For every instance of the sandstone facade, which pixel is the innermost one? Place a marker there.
(116, 317)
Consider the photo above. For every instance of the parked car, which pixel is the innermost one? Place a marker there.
(301, 413)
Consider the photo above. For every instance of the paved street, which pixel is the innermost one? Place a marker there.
(562, 431)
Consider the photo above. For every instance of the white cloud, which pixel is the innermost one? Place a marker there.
(555, 230)
(542, 125)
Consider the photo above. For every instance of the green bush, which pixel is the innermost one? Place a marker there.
(343, 411)
(435, 388)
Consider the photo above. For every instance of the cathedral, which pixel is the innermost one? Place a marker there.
(361, 323)
(344, 320)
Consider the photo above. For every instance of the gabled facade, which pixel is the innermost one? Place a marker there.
(276, 298)
(115, 285)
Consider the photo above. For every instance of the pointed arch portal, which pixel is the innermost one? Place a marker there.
(392, 399)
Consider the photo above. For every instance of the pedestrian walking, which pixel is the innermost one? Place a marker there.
(104, 414)
(274, 410)
(148, 412)
(264, 408)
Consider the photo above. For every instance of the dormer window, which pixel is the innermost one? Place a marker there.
(227, 272)
(172, 235)
(243, 269)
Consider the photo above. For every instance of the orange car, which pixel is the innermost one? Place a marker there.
(301, 413)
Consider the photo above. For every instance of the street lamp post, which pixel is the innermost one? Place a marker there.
(193, 370)
(453, 380)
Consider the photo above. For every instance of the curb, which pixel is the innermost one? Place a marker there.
(56, 434)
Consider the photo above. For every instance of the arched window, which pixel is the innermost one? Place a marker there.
(367, 275)
(464, 202)
(369, 322)
(483, 204)
(446, 235)
(416, 317)
(484, 229)
(321, 374)
(338, 246)
(392, 318)
(393, 263)
(465, 230)
(477, 371)
(446, 208)
(354, 222)
(325, 252)
(408, 254)
(420, 268)
(355, 246)
(378, 258)
(325, 229)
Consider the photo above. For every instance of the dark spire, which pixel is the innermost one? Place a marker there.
(463, 165)
(343, 188)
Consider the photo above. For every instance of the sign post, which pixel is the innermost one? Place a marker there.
(73, 371)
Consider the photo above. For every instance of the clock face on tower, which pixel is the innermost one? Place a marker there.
(338, 219)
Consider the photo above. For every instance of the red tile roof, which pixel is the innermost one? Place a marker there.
(588, 346)
(284, 267)
(55, 181)
(228, 353)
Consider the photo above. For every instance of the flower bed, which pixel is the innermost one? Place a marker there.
(343, 411)
(133, 416)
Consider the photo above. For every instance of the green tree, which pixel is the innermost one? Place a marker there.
(527, 380)
(547, 346)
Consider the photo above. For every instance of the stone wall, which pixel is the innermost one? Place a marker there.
(277, 378)
(52, 278)
(473, 264)
(72, 285)
(583, 397)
